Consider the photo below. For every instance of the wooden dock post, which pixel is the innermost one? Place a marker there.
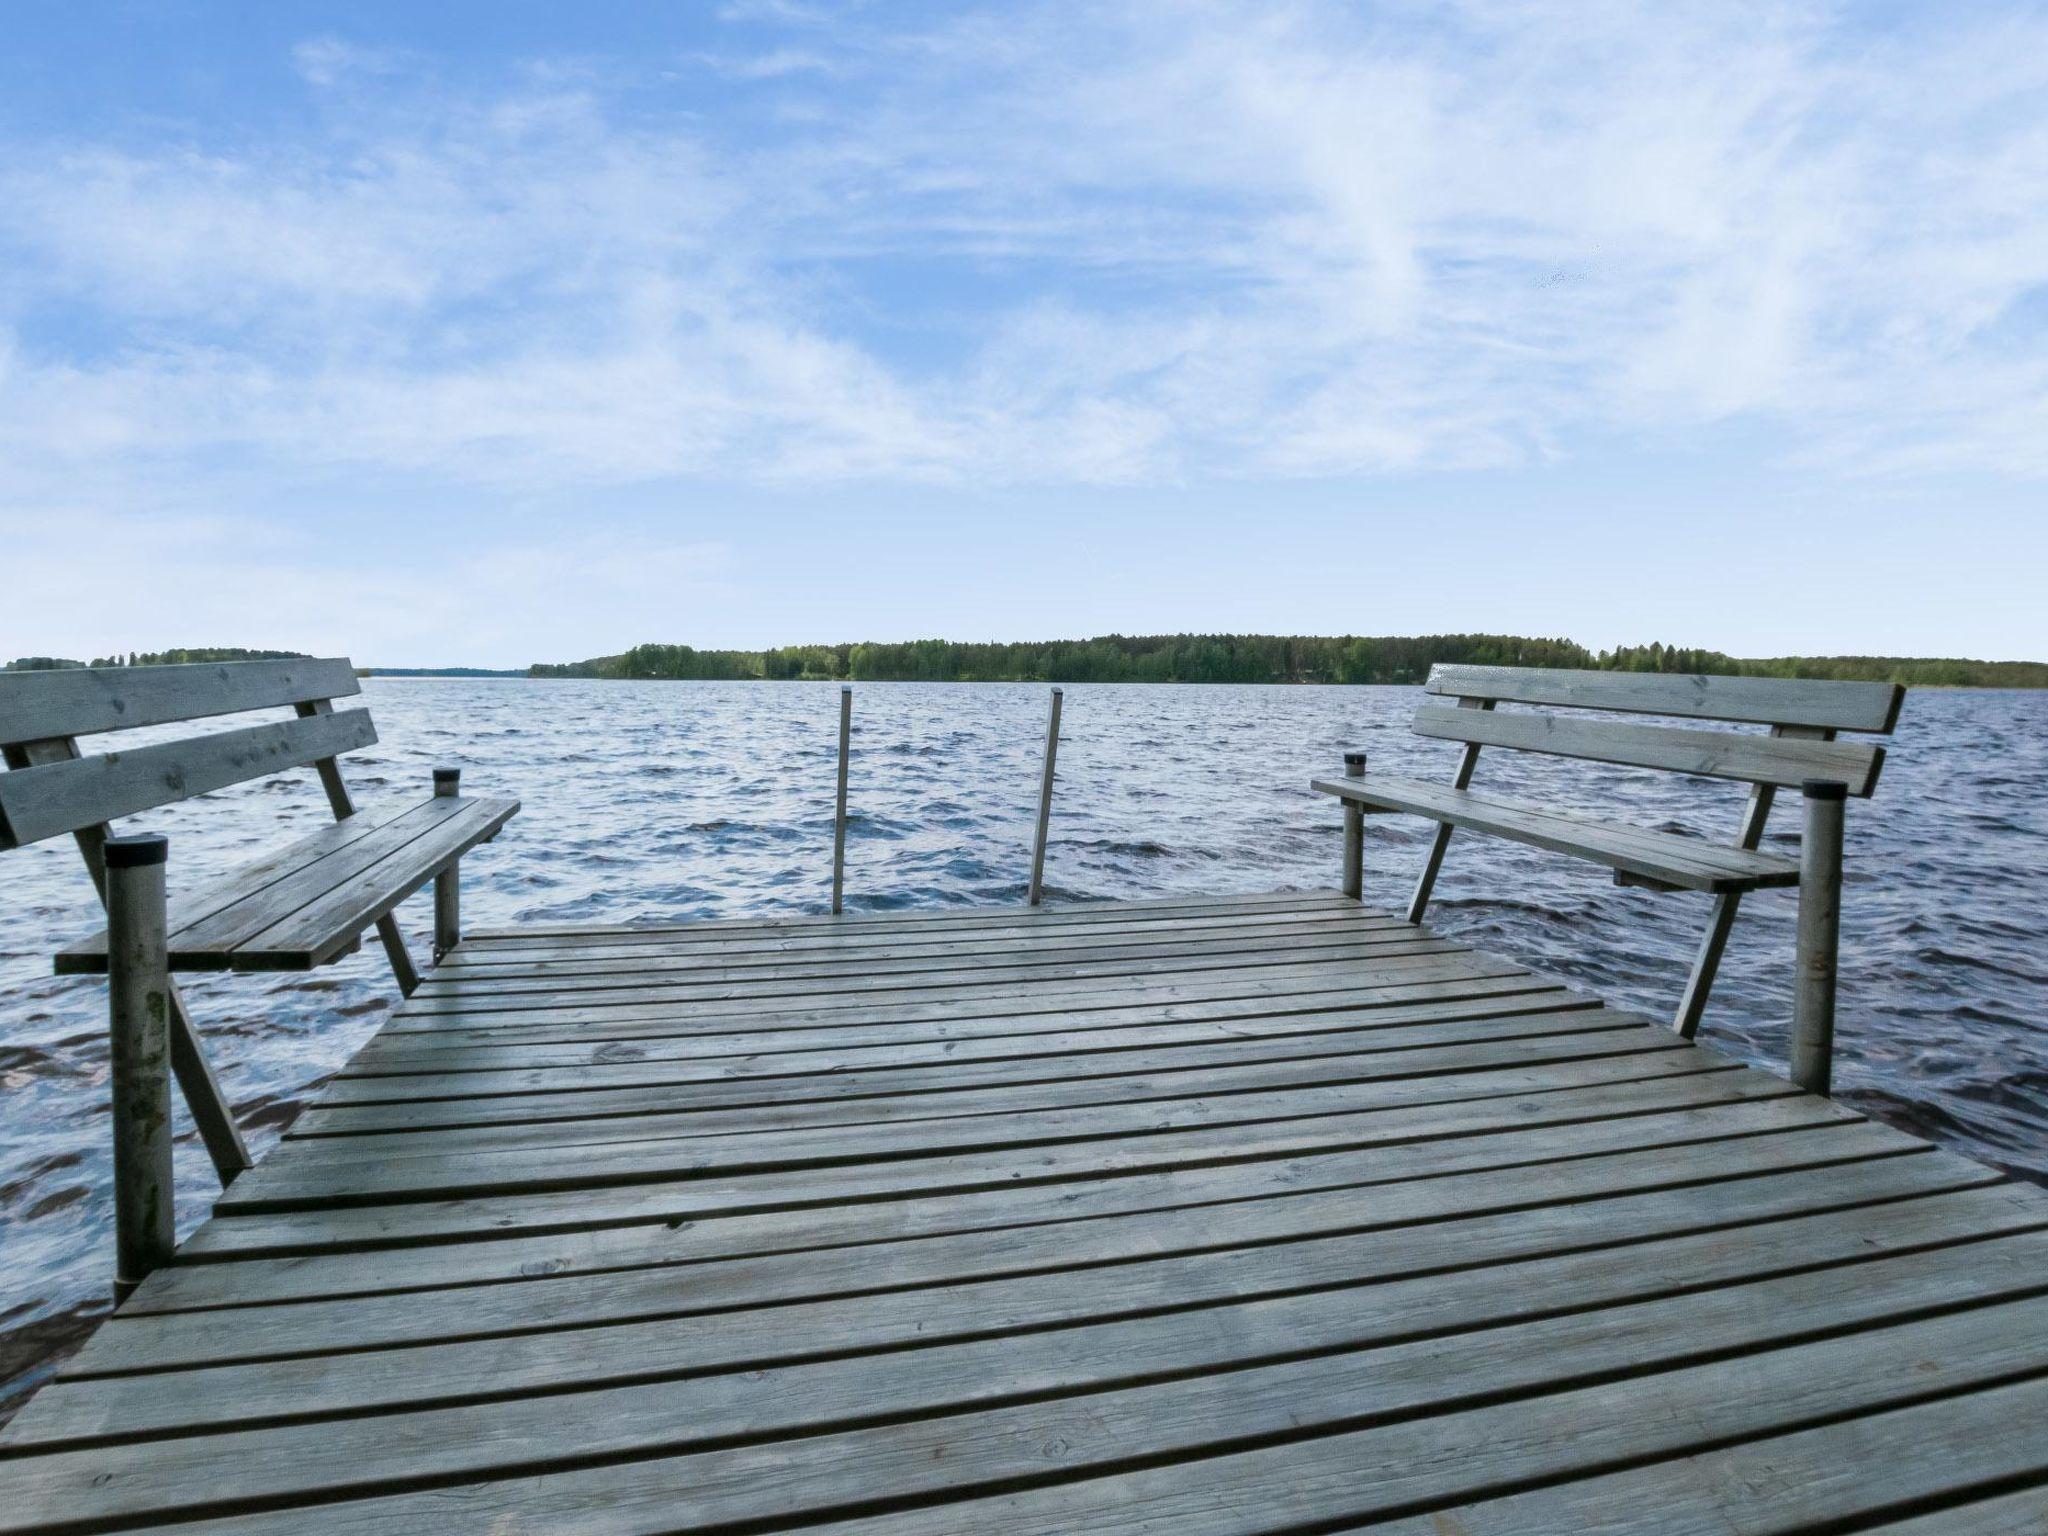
(447, 884)
(1354, 832)
(139, 1017)
(839, 815)
(1820, 920)
(1052, 752)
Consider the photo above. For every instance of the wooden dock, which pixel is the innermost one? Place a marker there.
(1197, 1216)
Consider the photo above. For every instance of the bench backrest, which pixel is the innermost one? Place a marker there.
(1804, 716)
(51, 789)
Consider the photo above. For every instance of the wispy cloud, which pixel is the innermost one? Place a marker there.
(1055, 246)
(1213, 239)
(325, 61)
(772, 65)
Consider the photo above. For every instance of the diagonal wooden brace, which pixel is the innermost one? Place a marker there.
(343, 804)
(1440, 844)
(1692, 1006)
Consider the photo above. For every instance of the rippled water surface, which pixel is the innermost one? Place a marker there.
(664, 802)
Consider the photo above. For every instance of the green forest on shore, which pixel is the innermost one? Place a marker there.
(1165, 659)
(1256, 659)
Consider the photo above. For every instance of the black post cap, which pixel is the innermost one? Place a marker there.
(1824, 789)
(447, 775)
(1354, 763)
(137, 850)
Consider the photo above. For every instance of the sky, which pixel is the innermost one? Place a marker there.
(492, 333)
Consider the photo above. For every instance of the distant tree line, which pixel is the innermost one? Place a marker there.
(441, 672)
(1173, 659)
(1253, 659)
(152, 658)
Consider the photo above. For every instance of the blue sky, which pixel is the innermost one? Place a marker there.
(496, 333)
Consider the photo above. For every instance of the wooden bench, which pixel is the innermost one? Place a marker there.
(1800, 750)
(303, 905)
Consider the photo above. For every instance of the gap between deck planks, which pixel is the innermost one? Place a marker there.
(1197, 1215)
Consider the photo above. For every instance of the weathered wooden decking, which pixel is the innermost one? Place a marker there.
(1252, 1214)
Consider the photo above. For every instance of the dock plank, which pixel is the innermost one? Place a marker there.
(1193, 1216)
(639, 1499)
(732, 1108)
(658, 953)
(502, 1215)
(658, 1226)
(1972, 1338)
(894, 972)
(1407, 979)
(573, 1068)
(614, 1039)
(405, 1103)
(293, 1379)
(806, 993)
(778, 1258)
(290, 1178)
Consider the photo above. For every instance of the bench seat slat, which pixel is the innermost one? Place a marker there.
(308, 903)
(55, 798)
(82, 701)
(359, 901)
(316, 872)
(1778, 760)
(1807, 702)
(1688, 862)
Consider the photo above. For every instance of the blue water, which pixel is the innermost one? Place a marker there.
(665, 802)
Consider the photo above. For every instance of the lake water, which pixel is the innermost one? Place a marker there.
(665, 802)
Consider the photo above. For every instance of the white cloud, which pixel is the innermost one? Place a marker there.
(326, 61)
(1167, 242)
(772, 65)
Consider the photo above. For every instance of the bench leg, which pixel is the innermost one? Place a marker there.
(203, 1096)
(448, 883)
(400, 957)
(1820, 918)
(139, 1022)
(1354, 832)
(447, 911)
(1706, 964)
(1693, 1006)
(1426, 882)
(1035, 888)
(1354, 851)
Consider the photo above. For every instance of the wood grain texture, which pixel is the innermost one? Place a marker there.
(1304, 1292)
(694, 1225)
(689, 1203)
(1783, 761)
(54, 798)
(301, 905)
(1688, 862)
(912, 1246)
(84, 701)
(856, 952)
(1822, 704)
